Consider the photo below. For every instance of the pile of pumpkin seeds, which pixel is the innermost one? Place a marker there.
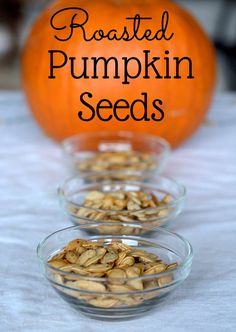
(123, 206)
(117, 160)
(120, 266)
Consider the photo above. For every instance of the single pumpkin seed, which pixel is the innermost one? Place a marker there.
(58, 278)
(85, 256)
(71, 257)
(72, 245)
(93, 260)
(120, 288)
(121, 257)
(158, 268)
(109, 257)
(98, 268)
(162, 281)
(130, 300)
(91, 286)
(104, 303)
(127, 261)
(163, 213)
(172, 266)
(133, 272)
(57, 263)
(116, 276)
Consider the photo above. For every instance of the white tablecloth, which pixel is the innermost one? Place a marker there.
(31, 167)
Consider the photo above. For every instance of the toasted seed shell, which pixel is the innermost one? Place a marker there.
(121, 257)
(126, 230)
(87, 285)
(151, 295)
(110, 257)
(163, 213)
(127, 261)
(85, 256)
(135, 284)
(58, 278)
(83, 212)
(158, 268)
(119, 246)
(172, 266)
(150, 284)
(93, 244)
(94, 195)
(120, 288)
(139, 253)
(96, 274)
(146, 259)
(130, 300)
(131, 206)
(70, 292)
(79, 250)
(98, 268)
(116, 276)
(60, 255)
(94, 259)
(103, 303)
(109, 229)
(140, 266)
(71, 257)
(166, 199)
(79, 270)
(162, 281)
(72, 245)
(119, 195)
(57, 263)
(153, 256)
(67, 268)
(132, 272)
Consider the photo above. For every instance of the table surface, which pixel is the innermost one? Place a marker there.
(31, 168)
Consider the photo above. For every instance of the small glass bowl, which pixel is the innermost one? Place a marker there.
(73, 192)
(105, 304)
(80, 148)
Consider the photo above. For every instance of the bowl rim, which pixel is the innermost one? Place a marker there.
(181, 188)
(86, 175)
(125, 134)
(187, 260)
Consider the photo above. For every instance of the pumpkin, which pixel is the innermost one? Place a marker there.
(55, 103)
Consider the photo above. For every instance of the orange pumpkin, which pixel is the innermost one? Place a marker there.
(55, 103)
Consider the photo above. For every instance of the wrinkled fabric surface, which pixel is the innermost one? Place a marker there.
(32, 167)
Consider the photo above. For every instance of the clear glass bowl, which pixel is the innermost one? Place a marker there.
(104, 304)
(80, 148)
(73, 192)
